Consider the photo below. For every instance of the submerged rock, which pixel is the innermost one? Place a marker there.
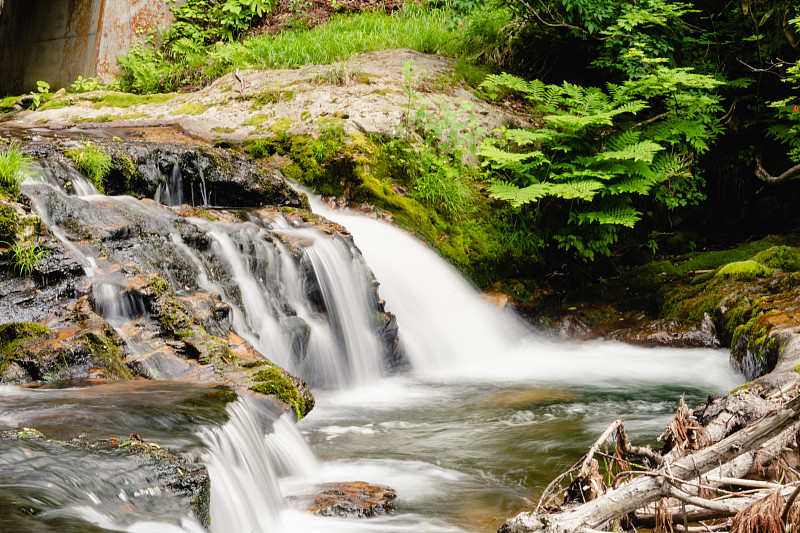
(355, 499)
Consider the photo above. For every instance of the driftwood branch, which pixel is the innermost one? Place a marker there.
(645, 490)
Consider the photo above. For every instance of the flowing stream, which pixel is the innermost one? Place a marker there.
(488, 412)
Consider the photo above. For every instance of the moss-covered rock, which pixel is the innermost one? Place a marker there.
(178, 323)
(8, 225)
(786, 258)
(748, 270)
(14, 333)
(105, 350)
(273, 380)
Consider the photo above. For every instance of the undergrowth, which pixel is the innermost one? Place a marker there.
(149, 69)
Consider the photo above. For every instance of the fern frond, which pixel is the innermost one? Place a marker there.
(642, 151)
(576, 189)
(493, 154)
(631, 185)
(517, 196)
(626, 138)
(526, 137)
(619, 216)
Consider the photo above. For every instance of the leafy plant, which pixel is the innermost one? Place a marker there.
(13, 164)
(585, 167)
(24, 258)
(84, 85)
(94, 162)
(41, 94)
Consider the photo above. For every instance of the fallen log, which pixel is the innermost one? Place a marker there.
(666, 481)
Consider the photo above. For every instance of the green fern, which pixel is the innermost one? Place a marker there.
(517, 196)
(594, 160)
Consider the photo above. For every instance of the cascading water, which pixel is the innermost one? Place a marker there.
(449, 331)
(171, 193)
(332, 343)
(244, 490)
(318, 321)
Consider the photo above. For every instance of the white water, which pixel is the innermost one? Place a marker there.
(336, 346)
(244, 492)
(450, 332)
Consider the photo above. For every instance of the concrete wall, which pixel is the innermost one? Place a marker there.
(58, 40)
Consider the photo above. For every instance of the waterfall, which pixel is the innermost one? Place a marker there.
(171, 193)
(116, 307)
(288, 451)
(330, 343)
(309, 308)
(449, 331)
(245, 496)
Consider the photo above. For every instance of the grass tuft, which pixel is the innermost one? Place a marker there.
(13, 164)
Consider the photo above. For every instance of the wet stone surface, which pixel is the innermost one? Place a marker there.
(356, 499)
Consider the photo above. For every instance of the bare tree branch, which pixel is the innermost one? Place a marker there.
(763, 175)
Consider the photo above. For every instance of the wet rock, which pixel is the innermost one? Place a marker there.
(389, 333)
(670, 333)
(84, 349)
(355, 499)
(177, 174)
(174, 472)
(570, 327)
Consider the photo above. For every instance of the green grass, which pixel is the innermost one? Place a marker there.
(421, 28)
(94, 162)
(24, 258)
(13, 164)
(418, 28)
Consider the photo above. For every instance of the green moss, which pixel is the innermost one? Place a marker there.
(130, 116)
(255, 120)
(273, 381)
(8, 102)
(746, 386)
(58, 103)
(223, 130)
(254, 364)
(786, 258)
(107, 352)
(470, 73)
(281, 126)
(797, 368)
(159, 285)
(191, 108)
(744, 270)
(271, 97)
(129, 100)
(8, 225)
(13, 333)
(98, 119)
(259, 148)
